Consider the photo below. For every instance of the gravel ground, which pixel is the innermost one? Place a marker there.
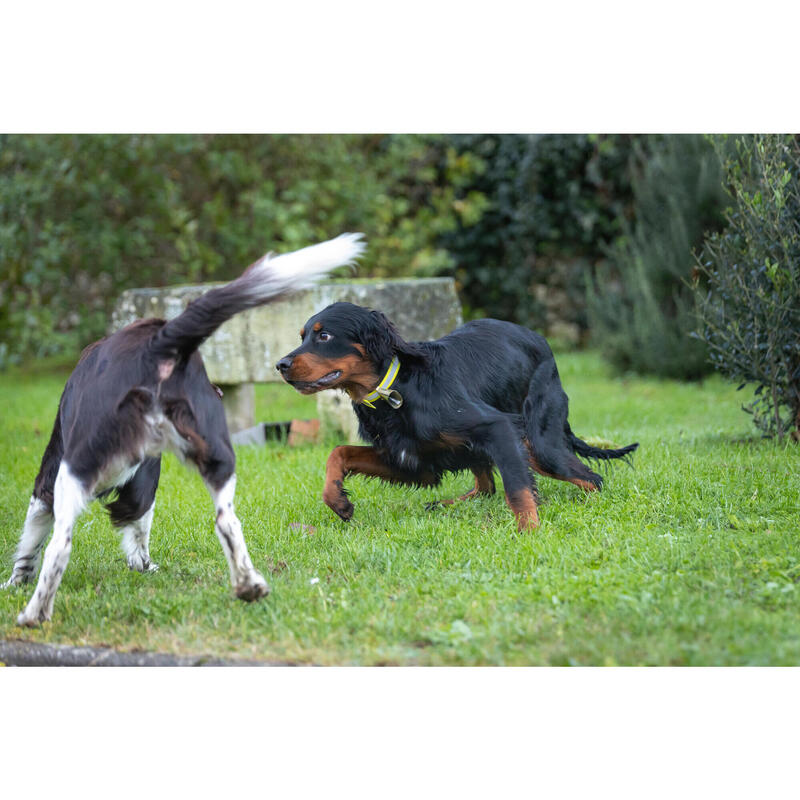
(32, 654)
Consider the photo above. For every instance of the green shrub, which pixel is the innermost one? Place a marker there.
(641, 306)
(84, 217)
(750, 305)
(553, 202)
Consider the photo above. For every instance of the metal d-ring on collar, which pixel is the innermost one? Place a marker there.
(392, 397)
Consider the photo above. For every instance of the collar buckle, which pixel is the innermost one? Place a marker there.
(391, 396)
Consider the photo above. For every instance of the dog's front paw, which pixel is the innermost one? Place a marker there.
(254, 587)
(337, 501)
(527, 521)
(343, 507)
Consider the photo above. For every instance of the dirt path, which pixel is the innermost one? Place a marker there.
(33, 654)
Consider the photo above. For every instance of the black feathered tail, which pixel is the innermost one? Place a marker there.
(587, 451)
(269, 279)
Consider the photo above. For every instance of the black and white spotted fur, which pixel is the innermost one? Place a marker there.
(135, 394)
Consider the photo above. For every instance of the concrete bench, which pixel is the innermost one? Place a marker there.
(245, 349)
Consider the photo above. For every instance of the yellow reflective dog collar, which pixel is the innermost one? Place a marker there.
(393, 397)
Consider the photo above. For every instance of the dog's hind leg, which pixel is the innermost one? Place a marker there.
(545, 415)
(38, 522)
(136, 542)
(500, 439)
(586, 485)
(248, 583)
(70, 498)
(484, 485)
(132, 513)
(39, 518)
(210, 449)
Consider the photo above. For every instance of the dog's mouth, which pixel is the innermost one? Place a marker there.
(309, 387)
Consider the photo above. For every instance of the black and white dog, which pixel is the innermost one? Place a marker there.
(133, 395)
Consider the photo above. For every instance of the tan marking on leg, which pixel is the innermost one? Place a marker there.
(523, 504)
(484, 484)
(354, 460)
(587, 486)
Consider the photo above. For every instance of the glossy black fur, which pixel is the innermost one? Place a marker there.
(149, 366)
(473, 399)
(101, 416)
(135, 394)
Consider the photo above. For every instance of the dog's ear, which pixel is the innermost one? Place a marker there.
(378, 336)
(382, 341)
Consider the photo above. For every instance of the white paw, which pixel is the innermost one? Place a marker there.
(140, 563)
(16, 579)
(32, 619)
(252, 588)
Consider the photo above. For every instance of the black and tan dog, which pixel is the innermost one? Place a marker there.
(486, 395)
(133, 395)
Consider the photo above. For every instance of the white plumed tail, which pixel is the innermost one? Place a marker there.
(269, 279)
(303, 268)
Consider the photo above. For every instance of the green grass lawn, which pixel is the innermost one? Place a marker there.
(692, 557)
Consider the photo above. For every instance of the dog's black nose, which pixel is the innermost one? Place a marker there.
(283, 365)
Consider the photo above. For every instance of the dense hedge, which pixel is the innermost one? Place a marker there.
(522, 222)
(84, 217)
(553, 204)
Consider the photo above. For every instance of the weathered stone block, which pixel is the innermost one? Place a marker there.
(246, 348)
(239, 401)
(336, 417)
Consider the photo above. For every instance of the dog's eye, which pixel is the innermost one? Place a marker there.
(324, 336)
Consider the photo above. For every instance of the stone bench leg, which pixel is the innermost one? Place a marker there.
(239, 401)
(337, 419)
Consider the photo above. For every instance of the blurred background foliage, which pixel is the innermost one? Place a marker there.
(554, 203)
(518, 220)
(586, 238)
(84, 217)
(640, 303)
